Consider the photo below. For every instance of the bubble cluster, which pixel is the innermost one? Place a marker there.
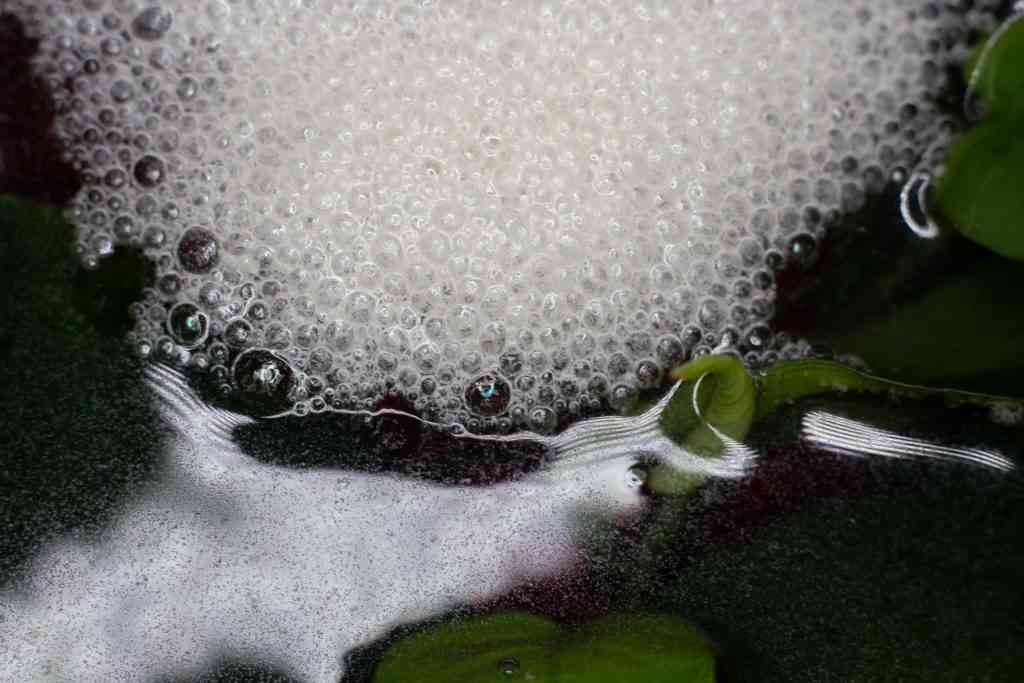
(550, 201)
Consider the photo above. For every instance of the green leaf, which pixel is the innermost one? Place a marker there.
(516, 646)
(979, 191)
(726, 402)
(471, 650)
(995, 71)
(650, 648)
(965, 334)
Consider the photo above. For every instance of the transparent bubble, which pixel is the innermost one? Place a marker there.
(238, 333)
(488, 395)
(636, 476)
(198, 251)
(188, 325)
(262, 374)
(152, 23)
(149, 171)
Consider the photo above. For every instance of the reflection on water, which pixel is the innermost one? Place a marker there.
(230, 558)
(226, 557)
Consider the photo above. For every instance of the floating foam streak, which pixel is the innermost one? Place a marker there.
(609, 438)
(856, 438)
(226, 556)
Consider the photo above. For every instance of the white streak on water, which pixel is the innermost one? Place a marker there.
(858, 438)
(228, 557)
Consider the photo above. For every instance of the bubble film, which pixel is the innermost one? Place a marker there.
(502, 210)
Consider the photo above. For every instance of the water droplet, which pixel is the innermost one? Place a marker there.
(198, 250)
(149, 171)
(488, 395)
(152, 23)
(187, 324)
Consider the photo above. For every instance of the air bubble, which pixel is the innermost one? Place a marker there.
(543, 420)
(636, 476)
(262, 374)
(238, 333)
(488, 395)
(152, 23)
(198, 251)
(149, 171)
(187, 324)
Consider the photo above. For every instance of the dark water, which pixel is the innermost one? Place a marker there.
(819, 566)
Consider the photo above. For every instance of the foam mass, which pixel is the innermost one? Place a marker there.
(507, 211)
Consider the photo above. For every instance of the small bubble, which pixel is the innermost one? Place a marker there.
(122, 91)
(759, 337)
(187, 88)
(115, 178)
(647, 374)
(262, 374)
(198, 250)
(543, 419)
(803, 251)
(636, 476)
(621, 396)
(237, 333)
(488, 395)
(149, 171)
(187, 324)
(152, 23)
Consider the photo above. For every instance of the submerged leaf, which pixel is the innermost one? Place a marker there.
(514, 646)
(964, 334)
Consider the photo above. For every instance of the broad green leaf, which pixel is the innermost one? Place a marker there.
(979, 191)
(965, 334)
(498, 647)
(995, 71)
(650, 648)
(515, 646)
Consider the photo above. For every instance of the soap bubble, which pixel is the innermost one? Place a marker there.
(198, 251)
(152, 23)
(488, 395)
(187, 324)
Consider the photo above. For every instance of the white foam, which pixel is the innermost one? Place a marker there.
(410, 191)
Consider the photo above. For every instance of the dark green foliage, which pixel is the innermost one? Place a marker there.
(78, 437)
